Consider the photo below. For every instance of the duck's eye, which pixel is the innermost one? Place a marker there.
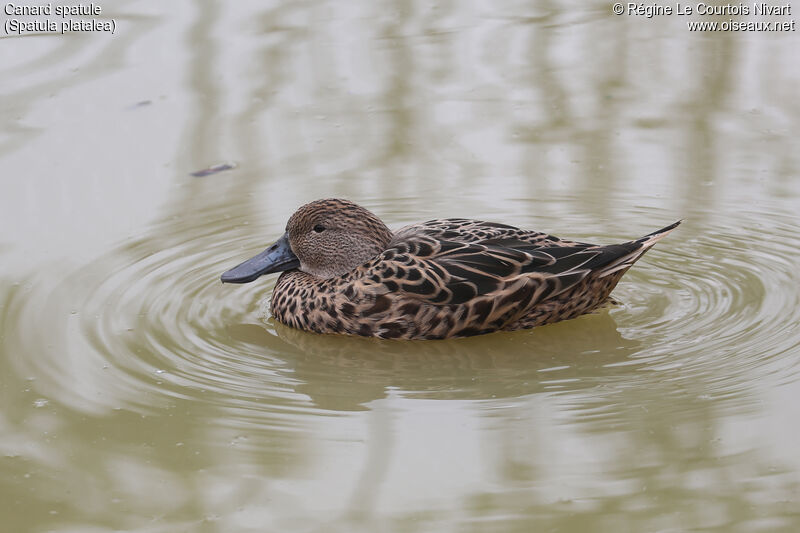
(319, 228)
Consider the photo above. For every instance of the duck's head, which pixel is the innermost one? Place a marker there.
(324, 238)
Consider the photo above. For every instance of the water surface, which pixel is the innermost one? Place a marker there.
(139, 394)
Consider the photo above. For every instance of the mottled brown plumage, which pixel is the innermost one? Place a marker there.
(345, 272)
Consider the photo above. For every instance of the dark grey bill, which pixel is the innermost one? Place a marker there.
(276, 258)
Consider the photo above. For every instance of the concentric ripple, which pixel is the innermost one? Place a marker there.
(709, 310)
(722, 305)
(150, 323)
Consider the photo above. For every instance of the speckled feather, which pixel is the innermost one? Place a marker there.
(443, 278)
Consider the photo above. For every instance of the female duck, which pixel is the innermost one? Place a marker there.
(344, 271)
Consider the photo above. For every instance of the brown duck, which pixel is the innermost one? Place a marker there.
(345, 272)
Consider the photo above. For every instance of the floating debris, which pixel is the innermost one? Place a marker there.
(213, 170)
(142, 103)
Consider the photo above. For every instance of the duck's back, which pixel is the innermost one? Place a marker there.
(475, 231)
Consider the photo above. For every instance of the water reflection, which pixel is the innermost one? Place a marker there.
(343, 373)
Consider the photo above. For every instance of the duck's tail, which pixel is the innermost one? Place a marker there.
(640, 247)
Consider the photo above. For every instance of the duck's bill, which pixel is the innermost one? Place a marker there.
(276, 258)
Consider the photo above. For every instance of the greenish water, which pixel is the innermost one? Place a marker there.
(139, 394)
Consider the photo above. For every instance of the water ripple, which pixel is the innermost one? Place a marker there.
(150, 324)
(718, 308)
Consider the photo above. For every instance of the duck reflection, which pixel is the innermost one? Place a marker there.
(346, 373)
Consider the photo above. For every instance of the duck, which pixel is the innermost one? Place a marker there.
(343, 271)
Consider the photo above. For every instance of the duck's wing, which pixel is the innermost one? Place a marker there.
(475, 231)
(443, 272)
